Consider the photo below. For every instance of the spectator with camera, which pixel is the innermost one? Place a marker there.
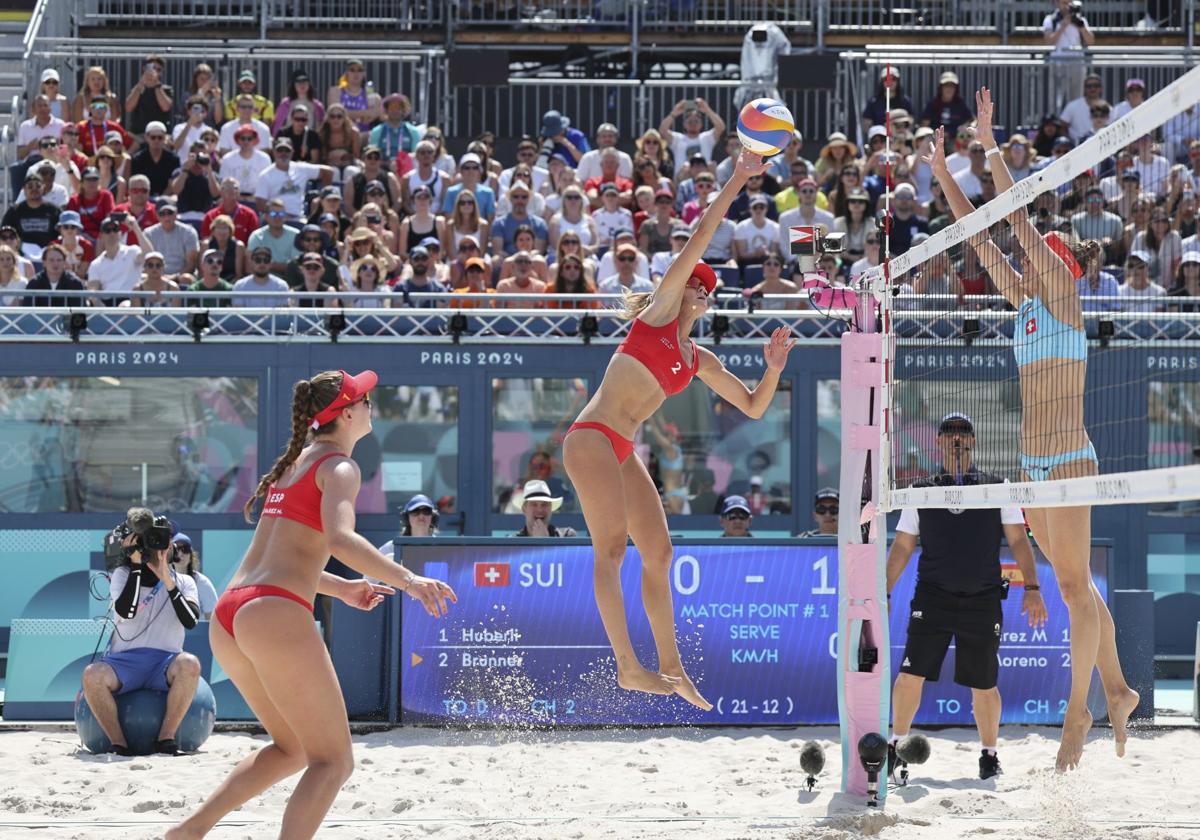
(154, 605)
(150, 100)
(195, 185)
(1066, 31)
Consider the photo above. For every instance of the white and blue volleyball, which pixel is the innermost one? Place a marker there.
(765, 126)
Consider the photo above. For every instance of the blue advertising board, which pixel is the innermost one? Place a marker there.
(756, 624)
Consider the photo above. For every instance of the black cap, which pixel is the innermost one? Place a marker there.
(827, 493)
(955, 417)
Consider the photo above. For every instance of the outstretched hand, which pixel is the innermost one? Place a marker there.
(364, 595)
(775, 351)
(750, 164)
(432, 594)
(983, 117)
(936, 159)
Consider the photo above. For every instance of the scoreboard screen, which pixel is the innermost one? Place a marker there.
(756, 623)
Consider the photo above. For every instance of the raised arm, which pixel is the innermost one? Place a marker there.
(990, 257)
(668, 124)
(1027, 234)
(730, 388)
(340, 488)
(665, 304)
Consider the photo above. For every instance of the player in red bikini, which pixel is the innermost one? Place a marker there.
(618, 497)
(263, 633)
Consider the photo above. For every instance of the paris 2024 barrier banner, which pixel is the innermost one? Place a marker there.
(756, 625)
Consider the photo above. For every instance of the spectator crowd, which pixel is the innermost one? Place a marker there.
(155, 191)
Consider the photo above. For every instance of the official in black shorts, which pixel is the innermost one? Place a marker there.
(959, 591)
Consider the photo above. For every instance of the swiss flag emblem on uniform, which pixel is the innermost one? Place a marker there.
(491, 574)
(1031, 326)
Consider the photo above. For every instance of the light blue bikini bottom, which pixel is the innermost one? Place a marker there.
(1038, 467)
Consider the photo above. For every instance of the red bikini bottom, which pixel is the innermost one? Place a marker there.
(622, 448)
(236, 598)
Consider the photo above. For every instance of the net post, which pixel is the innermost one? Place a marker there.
(864, 665)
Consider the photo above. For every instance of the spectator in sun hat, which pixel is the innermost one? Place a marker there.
(538, 505)
(396, 133)
(947, 108)
(560, 140)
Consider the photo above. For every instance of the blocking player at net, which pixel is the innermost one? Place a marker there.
(1050, 347)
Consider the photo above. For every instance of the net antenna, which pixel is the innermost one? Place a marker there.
(942, 351)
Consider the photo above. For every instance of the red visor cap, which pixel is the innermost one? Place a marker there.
(354, 388)
(704, 273)
(1063, 250)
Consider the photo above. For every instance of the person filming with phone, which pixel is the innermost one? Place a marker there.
(154, 605)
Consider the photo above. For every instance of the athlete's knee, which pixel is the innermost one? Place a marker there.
(340, 765)
(1075, 589)
(610, 553)
(658, 558)
(986, 694)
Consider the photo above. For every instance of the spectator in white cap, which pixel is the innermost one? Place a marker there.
(470, 169)
(50, 88)
(41, 124)
(153, 281)
(607, 136)
(154, 160)
(538, 505)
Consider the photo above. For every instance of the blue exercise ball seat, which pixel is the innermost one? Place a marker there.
(141, 714)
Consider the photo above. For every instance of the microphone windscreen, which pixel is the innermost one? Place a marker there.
(140, 519)
(914, 749)
(812, 758)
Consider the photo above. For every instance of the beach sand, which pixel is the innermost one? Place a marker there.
(716, 784)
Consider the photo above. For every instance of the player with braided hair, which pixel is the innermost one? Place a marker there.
(264, 635)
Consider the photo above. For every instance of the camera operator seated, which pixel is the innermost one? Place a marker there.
(154, 607)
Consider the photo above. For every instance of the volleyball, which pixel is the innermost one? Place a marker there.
(765, 126)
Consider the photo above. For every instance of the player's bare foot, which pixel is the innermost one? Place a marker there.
(180, 833)
(1074, 735)
(687, 690)
(1120, 708)
(648, 681)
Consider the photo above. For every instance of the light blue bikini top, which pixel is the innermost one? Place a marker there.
(1039, 335)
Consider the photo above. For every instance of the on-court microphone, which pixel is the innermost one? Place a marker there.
(812, 761)
(872, 752)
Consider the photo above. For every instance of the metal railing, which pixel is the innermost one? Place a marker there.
(742, 324)
(1016, 73)
(1001, 16)
(576, 15)
(633, 106)
(406, 67)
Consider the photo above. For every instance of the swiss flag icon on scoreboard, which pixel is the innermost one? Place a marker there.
(801, 235)
(491, 574)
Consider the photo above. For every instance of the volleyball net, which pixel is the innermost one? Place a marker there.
(1054, 317)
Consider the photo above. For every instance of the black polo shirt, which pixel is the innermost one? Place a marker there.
(960, 548)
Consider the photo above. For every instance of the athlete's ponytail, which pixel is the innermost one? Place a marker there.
(309, 397)
(635, 303)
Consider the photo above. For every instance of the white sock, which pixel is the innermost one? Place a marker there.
(990, 750)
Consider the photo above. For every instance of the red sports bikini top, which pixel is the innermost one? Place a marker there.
(658, 349)
(300, 501)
